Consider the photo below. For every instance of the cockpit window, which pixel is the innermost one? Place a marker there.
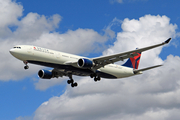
(17, 47)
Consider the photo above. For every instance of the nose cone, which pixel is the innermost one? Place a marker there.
(17, 52)
(12, 51)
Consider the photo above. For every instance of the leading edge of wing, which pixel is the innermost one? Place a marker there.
(121, 56)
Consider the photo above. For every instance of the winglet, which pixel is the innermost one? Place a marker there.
(167, 41)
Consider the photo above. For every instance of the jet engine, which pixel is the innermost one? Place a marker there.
(45, 74)
(85, 63)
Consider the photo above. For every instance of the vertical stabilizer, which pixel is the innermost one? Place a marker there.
(133, 62)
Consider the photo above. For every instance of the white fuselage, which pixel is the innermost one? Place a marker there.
(51, 58)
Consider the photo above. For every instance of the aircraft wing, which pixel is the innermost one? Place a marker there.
(104, 60)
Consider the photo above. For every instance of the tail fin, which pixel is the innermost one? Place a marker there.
(133, 62)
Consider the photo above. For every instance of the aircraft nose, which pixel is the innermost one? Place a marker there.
(12, 51)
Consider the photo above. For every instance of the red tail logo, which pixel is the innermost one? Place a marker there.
(133, 62)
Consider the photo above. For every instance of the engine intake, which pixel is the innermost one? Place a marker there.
(45, 74)
(85, 63)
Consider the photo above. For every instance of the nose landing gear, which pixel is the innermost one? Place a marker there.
(26, 67)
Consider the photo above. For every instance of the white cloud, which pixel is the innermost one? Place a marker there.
(122, 1)
(32, 26)
(29, 28)
(114, 1)
(115, 22)
(10, 12)
(44, 84)
(148, 30)
(24, 118)
(152, 95)
(78, 41)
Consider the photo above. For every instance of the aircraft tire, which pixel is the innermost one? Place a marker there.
(26, 67)
(75, 84)
(69, 81)
(91, 76)
(98, 78)
(72, 85)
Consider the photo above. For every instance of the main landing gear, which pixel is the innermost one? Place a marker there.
(26, 67)
(71, 81)
(96, 78)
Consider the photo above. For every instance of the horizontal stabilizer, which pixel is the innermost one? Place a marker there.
(140, 70)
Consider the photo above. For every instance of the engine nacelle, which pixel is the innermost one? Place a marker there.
(85, 63)
(45, 74)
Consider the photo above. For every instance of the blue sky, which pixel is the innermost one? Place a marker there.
(24, 96)
(78, 14)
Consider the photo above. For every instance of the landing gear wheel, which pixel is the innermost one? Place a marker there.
(97, 78)
(91, 75)
(75, 84)
(72, 85)
(26, 67)
(69, 81)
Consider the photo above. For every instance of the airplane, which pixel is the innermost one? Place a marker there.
(65, 64)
